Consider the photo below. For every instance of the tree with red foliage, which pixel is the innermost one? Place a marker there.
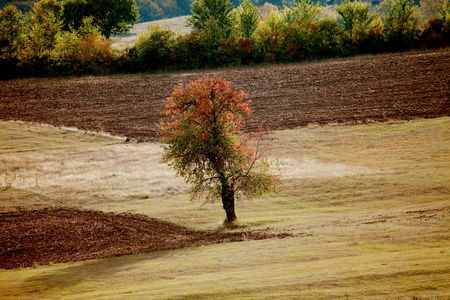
(204, 144)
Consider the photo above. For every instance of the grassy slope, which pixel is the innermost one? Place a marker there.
(369, 206)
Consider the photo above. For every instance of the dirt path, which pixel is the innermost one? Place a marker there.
(285, 96)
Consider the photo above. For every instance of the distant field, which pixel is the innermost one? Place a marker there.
(178, 24)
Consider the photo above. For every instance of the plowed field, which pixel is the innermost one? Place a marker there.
(285, 96)
(55, 235)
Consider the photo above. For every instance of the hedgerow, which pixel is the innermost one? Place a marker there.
(39, 44)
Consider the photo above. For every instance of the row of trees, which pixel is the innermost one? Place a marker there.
(151, 10)
(71, 37)
(58, 37)
(224, 36)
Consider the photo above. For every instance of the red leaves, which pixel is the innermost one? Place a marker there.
(203, 142)
(206, 102)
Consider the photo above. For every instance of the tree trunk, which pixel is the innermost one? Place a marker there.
(228, 202)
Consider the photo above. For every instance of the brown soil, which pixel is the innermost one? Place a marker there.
(285, 96)
(57, 235)
(349, 91)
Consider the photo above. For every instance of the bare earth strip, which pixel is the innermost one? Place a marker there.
(55, 235)
(389, 87)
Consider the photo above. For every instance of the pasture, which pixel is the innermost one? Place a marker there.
(367, 207)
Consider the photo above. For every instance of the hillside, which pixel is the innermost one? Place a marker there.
(177, 23)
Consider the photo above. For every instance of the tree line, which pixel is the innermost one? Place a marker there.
(71, 37)
(151, 10)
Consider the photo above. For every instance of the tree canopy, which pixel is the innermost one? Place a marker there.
(11, 28)
(212, 13)
(204, 144)
(52, 39)
(356, 16)
(249, 17)
(112, 16)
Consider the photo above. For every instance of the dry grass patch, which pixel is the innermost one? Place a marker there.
(368, 205)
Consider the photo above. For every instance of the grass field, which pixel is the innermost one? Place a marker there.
(368, 206)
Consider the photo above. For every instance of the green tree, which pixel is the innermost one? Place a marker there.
(24, 6)
(212, 16)
(149, 10)
(249, 17)
(112, 16)
(356, 16)
(154, 47)
(328, 38)
(43, 27)
(81, 48)
(266, 9)
(384, 7)
(444, 14)
(303, 11)
(269, 38)
(11, 28)
(73, 13)
(430, 8)
(203, 143)
(401, 28)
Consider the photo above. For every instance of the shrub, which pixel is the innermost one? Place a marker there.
(436, 33)
(401, 29)
(189, 52)
(328, 39)
(154, 47)
(82, 51)
(372, 41)
(298, 41)
(246, 51)
(227, 54)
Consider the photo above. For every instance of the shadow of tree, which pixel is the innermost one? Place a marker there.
(52, 281)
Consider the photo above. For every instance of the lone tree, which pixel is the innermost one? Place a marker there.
(205, 145)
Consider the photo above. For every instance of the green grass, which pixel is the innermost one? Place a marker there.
(368, 204)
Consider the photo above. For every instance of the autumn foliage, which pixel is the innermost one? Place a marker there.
(55, 40)
(205, 145)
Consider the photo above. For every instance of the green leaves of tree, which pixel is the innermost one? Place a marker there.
(401, 28)
(11, 28)
(213, 17)
(356, 16)
(249, 17)
(112, 16)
